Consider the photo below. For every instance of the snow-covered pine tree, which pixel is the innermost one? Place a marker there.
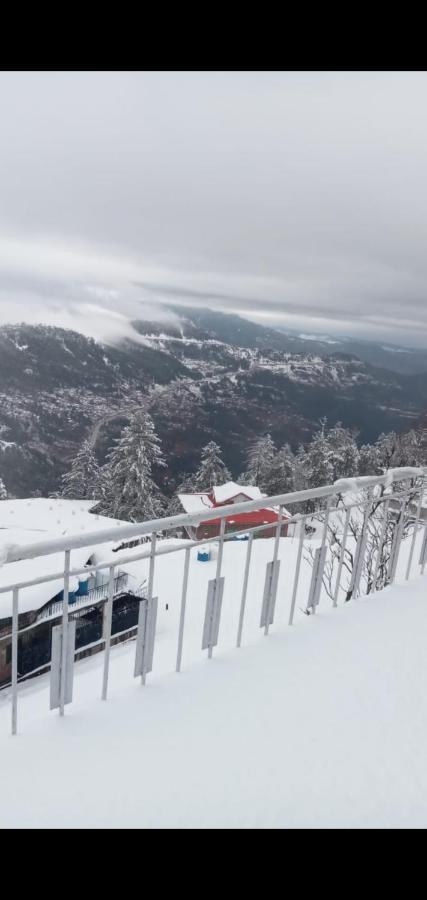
(320, 458)
(413, 445)
(127, 487)
(369, 460)
(278, 477)
(80, 482)
(259, 458)
(212, 469)
(345, 452)
(3, 491)
(302, 471)
(103, 482)
(389, 450)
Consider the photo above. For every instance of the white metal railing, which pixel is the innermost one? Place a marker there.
(412, 479)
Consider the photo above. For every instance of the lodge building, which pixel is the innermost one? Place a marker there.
(224, 495)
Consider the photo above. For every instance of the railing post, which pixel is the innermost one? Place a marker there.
(381, 540)
(182, 614)
(360, 551)
(15, 660)
(322, 547)
(414, 536)
(107, 635)
(244, 590)
(273, 568)
(423, 561)
(218, 569)
(397, 540)
(297, 569)
(64, 631)
(150, 587)
(342, 557)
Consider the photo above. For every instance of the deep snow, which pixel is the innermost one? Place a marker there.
(321, 724)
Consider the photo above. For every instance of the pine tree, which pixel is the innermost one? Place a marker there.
(259, 457)
(414, 447)
(279, 475)
(3, 491)
(369, 460)
(126, 483)
(320, 459)
(80, 482)
(212, 469)
(103, 482)
(345, 452)
(302, 469)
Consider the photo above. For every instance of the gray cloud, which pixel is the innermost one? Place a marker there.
(295, 198)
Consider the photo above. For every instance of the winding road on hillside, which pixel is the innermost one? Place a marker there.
(123, 412)
(117, 414)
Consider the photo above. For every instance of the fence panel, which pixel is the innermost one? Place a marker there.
(125, 611)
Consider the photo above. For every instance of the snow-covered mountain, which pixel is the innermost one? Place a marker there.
(205, 375)
(232, 329)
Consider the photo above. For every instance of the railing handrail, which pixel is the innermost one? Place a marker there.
(16, 552)
(163, 548)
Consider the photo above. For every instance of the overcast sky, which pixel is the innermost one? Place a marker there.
(297, 199)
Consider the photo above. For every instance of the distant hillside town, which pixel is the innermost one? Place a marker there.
(202, 376)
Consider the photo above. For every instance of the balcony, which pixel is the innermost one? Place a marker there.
(91, 598)
(349, 544)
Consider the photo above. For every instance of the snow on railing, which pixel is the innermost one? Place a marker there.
(367, 495)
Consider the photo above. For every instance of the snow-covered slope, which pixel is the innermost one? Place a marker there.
(322, 724)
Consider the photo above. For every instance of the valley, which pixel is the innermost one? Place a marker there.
(205, 376)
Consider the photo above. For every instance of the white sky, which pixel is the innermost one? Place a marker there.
(294, 198)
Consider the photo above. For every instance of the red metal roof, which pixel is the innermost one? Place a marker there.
(254, 517)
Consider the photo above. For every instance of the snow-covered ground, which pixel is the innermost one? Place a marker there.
(322, 724)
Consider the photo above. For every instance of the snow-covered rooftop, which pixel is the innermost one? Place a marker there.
(49, 516)
(224, 492)
(34, 597)
(29, 521)
(195, 503)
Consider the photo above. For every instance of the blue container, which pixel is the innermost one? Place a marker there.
(83, 588)
(72, 597)
(203, 555)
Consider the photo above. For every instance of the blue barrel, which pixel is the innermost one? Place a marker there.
(204, 554)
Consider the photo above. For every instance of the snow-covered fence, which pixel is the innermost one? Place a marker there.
(367, 495)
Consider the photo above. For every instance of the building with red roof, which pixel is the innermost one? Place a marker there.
(224, 495)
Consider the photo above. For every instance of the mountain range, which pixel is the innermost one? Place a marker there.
(202, 375)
